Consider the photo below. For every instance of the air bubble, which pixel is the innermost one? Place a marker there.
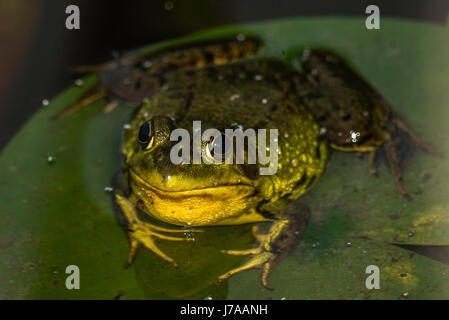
(168, 5)
(51, 160)
(234, 97)
(241, 37)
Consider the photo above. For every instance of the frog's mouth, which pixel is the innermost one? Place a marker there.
(234, 191)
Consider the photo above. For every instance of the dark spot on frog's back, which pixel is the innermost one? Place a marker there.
(274, 107)
(346, 117)
(138, 84)
(208, 56)
(336, 107)
(324, 116)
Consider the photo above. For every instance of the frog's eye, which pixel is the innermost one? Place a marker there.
(218, 146)
(146, 135)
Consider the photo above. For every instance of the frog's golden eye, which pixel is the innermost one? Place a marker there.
(146, 135)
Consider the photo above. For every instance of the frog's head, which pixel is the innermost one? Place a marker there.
(185, 193)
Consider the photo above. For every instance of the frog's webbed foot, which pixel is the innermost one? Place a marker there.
(144, 233)
(274, 245)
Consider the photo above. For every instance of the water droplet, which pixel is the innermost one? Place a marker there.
(168, 5)
(323, 130)
(79, 82)
(264, 101)
(410, 234)
(234, 97)
(126, 126)
(115, 54)
(258, 77)
(108, 189)
(405, 294)
(51, 159)
(241, 37)
(45, 102)
(349, 244)
(147, 64)
(306, 53)
(168, 177)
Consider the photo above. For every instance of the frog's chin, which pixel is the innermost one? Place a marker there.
(234, 191)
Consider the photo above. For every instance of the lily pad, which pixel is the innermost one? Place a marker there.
(56, 212)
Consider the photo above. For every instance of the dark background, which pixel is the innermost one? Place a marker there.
(36, 48)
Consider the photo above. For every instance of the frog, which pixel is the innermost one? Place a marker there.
(321, 106)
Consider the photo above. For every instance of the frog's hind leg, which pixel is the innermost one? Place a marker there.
(415, 137)
(392, 155)
(274, 246)
(144, 233)
(91, 96)
(393, 160)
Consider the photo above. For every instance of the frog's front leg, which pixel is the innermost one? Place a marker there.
(144, 233)
(274, 246)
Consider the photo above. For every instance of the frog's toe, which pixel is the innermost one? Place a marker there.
(259, 260)
(257, 235)
(246, 252)
(140, 238)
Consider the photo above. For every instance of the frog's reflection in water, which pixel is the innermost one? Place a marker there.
(200, 263)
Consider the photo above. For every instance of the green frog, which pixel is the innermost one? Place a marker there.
(224, 84)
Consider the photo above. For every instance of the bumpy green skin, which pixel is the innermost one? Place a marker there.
(324, 104)
(255, 94)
